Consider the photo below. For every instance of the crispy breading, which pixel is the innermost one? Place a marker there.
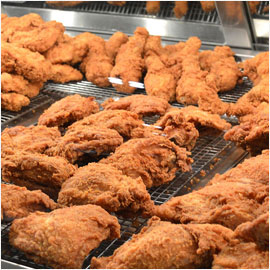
(18, 202)
(71, 50)
(39, 39)
(64, 3)
(104, 185)
(221, 203)
(253, 131)
(31, 65)
(65, 73)
(64, 237)
(18, 84)
(120, 120)
(33, 139)
(222, 67)
(154, 159)
(180, 9)
(68, 109)
(37, 171)
(163, 245)
(114, 43)
(241, 255)
(129, 62)
(117, 3)
(255, 231)
(152, 7)
(253, 6)
(84, 138)
(13, 101)
(248, 169)
(97, 65)
(141, 104)
(208, 6)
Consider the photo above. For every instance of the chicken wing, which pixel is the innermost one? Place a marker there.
(221, 203)
(141, 104)
(40, 38)
(104, 185)
(37, 171)
(13, 101)
(67, 110)
(18, 202)
(65, 73)
(222, 68)
(129, 62)
(34, 139)
(18, 84)
(84, 138)
(180, 9)
(163, 245)
(253, 132)
(155, 160)
(64, 237)
(31, 65)
(97, 65)
(152, 7)
(114, 43)
(120, 120)
(208, 6)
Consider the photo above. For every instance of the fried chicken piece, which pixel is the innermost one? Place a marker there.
(34, 139)
(222, 68)
(192, 88)
(163, 245)
(159, 81)
(39, 39)
(104, 185)
(180, 9)
(257, 67)
(18, 202)
(193, 115)
(253, 6)
(208, 6)
(155, 160)
(11, 25)
(31, 65)
(114, 43)
(253, 132)
(141, 104)
(64, 3)
(129, 62)
(248, 103)
(18, 84)
(255, 231)
(37, 171)
(63, 238)
(13, 101)
(120, 120)
(152, 7)
(84, 138)
(241, 255)
(221, 203)
(248, 169)
(71, 50)
(97, 65)
(65, 73)
(117, 3)
(68, 109)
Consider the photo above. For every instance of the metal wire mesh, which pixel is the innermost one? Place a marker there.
(262, 10)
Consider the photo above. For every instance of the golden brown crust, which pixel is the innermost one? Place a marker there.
(64, 3)
(154, 159)
(65, 73)
(152, 7)
(18, 202)
(208, 6)
(180, 8)
(68, 109)
(14, 101)
(104, 185)
(73, 144)
(64, 237)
